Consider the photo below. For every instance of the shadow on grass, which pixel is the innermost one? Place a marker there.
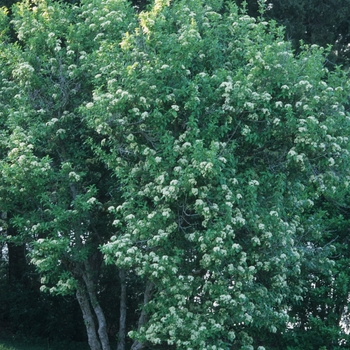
(39, 344)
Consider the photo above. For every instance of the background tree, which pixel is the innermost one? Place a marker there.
(323, 23)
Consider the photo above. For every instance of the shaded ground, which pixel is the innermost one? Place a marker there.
(14, 343)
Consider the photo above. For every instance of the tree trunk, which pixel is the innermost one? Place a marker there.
(17, 261)
(102, 324)
(84, 303)
(143, 317)
(88, 272)
(122, 317)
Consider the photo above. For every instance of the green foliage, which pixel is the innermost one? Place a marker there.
(52, 186)
(3, 23)
(49, 172)
(192, 147)
(223, 141)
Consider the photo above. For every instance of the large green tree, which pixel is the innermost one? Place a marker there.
(190, 147)
(53, 188)
(225, 144)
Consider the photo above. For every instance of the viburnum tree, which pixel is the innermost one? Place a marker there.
(223, 142)
(190, 146)
(53, 188)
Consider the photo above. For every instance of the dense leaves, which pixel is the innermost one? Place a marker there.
(189, 147)
(223, 146)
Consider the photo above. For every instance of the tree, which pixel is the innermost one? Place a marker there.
(224, 143)
(189, 147)
(52, 185)
(313, 22)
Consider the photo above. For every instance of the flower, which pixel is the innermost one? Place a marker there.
(199, 202)
(91, 200)
(130, 137)
(74, 176)
(279, 104)
(292, 153)
(249, 105)
(253, 183)
(246, 130)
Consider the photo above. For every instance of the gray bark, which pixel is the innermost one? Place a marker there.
(122, 316)
(86, 271)
(143, 316)
(84, 303)
(102, 324)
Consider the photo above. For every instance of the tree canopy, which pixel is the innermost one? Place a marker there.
(191, 154)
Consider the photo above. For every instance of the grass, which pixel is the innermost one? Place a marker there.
(7, 345)
(33, 344)
(2, 347)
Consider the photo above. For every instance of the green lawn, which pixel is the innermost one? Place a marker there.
(13, 344)
(2, 347)
(6, 345)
